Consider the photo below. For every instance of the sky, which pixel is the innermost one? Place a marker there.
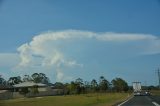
(68, 39)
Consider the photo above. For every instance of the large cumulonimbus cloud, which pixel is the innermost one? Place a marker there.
(46, 49)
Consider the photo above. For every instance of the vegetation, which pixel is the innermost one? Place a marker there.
(96, 99)
(103, 84)
(79, 86)
(75, 93)
(40, 78)
(120, 85)
(14, 80)
(94, 85)
(2, 81)
(155, 92)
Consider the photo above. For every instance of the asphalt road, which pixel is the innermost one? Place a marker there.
(142, 101)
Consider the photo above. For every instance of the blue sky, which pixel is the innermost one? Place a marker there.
(67, 39)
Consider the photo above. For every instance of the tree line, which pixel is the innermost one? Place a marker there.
(36, 77)
(74, 87)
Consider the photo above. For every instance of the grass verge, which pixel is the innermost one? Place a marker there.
(97, 99)
(155, 92)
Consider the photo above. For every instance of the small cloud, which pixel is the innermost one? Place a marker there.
(73, 63)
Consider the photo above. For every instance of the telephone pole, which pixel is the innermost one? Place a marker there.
(158, 73)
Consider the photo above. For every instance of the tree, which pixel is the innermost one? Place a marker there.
(76, 87)
(2, 81)
(103, 84)
(14, 80)
(27, 78)
(40, 78)
(94, 85)
(36, 78)
(120, 85)
(66, 88)
(72, 87)
(87, 87)
(44, 78)
(79, 82)
(79, 86)
(59, 85)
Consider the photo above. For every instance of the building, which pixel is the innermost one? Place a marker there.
(29, 85)
(17, 90)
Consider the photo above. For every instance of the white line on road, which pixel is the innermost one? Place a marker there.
(125, 101)
(156, 104)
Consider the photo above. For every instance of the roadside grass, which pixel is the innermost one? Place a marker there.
(97, 99)
(155, 92)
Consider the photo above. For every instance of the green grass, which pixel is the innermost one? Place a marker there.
(106, 99)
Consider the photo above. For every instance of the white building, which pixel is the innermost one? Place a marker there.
(41, 87)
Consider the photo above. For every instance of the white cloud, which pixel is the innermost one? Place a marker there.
(109, 36)
(73, 63)
(67, 34)
(44, 47)
(60, 76)
(45, 51)
(25, 54)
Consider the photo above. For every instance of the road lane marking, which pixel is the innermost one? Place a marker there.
(125, 101)
(156, 104)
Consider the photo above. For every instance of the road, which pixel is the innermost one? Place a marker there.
(142, 101)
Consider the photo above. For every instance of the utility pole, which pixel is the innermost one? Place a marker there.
(158, 73)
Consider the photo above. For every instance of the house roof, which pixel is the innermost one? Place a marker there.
(28, 84)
